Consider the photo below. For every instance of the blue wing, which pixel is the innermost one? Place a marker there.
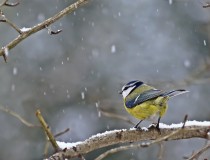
(147, 95)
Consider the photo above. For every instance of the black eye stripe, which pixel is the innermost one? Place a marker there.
(125, 88)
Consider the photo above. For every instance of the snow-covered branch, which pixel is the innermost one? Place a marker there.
(191, 129)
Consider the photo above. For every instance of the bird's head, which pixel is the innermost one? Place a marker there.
(130, 87)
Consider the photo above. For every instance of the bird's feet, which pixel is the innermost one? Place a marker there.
(158, 128)
(155, 126)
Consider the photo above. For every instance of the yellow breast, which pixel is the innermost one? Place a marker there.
(148, 109)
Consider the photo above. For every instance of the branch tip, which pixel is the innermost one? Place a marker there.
(207, 5)
(9, 4)
(5, 53)
(61, 133)
(16, 115)
(55, 32)
(2, 20)
(5, 57)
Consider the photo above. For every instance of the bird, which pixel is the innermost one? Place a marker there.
(145, 102)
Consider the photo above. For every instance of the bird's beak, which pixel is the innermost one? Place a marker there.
(120, 92)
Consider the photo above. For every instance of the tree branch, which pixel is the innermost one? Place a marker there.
(16, 115)
(47, 130)
(114, 115)
(9, 4)
(29, 31)
(122, 148)
(11, 24)
(192, 129)
(199, 152)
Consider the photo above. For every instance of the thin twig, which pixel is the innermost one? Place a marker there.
(43, 24)
(11, 24)
(199, 152)
(3, 3)
(118, 149)
(47, 144)
(46, 148)
(62, 132)
(167, 136)
(14, 114)
(9, 4)
(161, 150)
(113, 115)
(5, 54)
(206, 5)
(184, 121)
(47, 130)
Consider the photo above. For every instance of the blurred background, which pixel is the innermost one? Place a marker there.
(103, 45)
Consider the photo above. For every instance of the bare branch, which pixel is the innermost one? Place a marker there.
(47, 144)
(207, 5)
(47, 130)
(5, 54)
(161, 151)
(46, 148)
(43, 25)
(113, 115)
(9, 4)
(14, 114)
(199, 152)
(3, 3)
(185, 120)
(121, 148)
(61, 133)
(11, 24)
(118, 149)
(191, 130)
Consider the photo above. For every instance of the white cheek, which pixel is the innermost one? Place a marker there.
(127, 91)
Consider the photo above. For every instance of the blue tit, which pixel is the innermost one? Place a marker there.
(145, 102)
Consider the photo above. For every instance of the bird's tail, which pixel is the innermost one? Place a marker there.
(174, 92)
